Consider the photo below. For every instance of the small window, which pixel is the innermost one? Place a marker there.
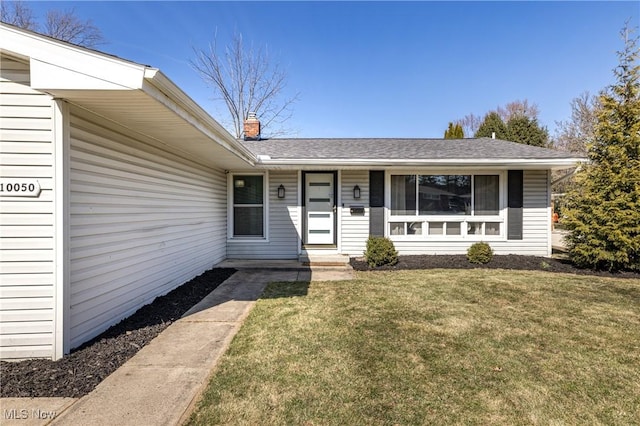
(248, 206)
(396, 228)
(436, 228)
(474, 228)
(414, 228)
(492, 228)
(454, 228)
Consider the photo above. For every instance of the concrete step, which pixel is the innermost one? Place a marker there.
(270, 265)
(310, 259)
(304, 262)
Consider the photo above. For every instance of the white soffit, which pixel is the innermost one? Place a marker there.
(141, 113)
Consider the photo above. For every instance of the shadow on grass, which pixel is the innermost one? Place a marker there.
(629, 292)
(285, 289)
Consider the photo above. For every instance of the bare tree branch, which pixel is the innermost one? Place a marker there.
(247, 80)
(19, 14)
(67, 26)
(518, 108)
(470, 123)
(576, 134)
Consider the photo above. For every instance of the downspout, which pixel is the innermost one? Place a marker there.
(567, 176)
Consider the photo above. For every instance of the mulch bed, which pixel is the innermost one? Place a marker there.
(514, 262)
(80, 372)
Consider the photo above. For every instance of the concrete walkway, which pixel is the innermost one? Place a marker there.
(557, 240)
(162, 382)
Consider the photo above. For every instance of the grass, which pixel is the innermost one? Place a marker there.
(434, 347)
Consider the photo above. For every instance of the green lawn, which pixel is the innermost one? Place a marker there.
(434, 347)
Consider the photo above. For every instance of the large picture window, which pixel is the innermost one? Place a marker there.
(248, 206)
(446, 205)
(444, 194)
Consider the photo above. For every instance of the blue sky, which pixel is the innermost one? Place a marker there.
(384, 69)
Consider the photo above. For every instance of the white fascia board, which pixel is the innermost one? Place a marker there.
(162, 89)
(49, 78)
(59, 65)
(469, 163)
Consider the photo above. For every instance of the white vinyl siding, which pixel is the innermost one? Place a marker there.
(27, 269)
(143, 220)
(536, 214)
(536, 225)
(354, 229)
(281, 233)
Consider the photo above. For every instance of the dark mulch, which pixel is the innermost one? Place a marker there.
(81, 371)
(516, 262)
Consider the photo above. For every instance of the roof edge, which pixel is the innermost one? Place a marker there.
(57, 66)
(63, 65)
(161, 88)
(76, 47)
(463, 162)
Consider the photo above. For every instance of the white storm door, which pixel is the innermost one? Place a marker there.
(319, 194)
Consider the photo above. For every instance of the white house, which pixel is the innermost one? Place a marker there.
(116, 187)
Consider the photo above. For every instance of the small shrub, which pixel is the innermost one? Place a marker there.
(544, 265)
(480, 253)
(380, 251)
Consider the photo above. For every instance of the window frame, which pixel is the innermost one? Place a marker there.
(464, 219)
(231, 206)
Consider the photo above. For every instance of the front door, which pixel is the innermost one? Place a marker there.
(320, 208)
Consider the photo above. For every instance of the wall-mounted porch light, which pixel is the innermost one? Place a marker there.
(356, 192)
(281, 191)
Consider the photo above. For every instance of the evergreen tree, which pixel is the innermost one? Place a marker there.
(454, 131)
(492, 123)
(458, 131)
(603, 212)
(525, 130)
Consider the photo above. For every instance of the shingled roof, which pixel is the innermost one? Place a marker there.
(398, 151)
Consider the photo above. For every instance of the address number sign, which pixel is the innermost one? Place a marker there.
(19, 188)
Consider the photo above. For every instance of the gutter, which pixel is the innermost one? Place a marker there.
(567, 176)
(355, 162)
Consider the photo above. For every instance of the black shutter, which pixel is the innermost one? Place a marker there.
(515, 202)
(376, 203)
(376, 188)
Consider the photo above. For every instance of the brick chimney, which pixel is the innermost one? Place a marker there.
(251, 127)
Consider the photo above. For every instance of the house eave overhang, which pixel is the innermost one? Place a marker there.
(164, 91)
(354, 163)
(136, 96)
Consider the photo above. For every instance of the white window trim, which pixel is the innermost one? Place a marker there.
(265, 209)
(500, 218)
